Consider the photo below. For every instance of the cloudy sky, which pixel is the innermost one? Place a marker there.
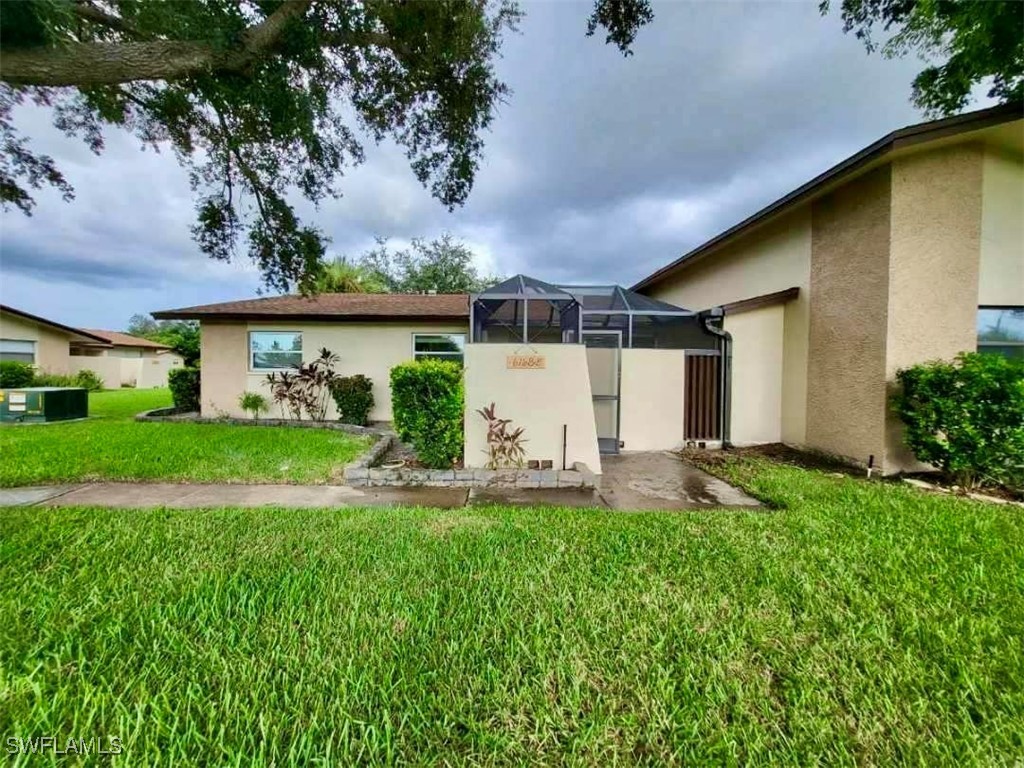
(600, 168)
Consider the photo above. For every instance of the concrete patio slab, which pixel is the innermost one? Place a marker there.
(662, 480)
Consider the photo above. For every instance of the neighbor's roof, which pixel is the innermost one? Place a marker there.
(332, 306)
(904, 137)
(59, 326)
(124, 339)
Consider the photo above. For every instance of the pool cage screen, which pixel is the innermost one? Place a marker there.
(524, 310)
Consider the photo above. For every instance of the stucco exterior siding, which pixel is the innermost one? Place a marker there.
(371, 349)
(539, 400)
(933, 267)
(1001, 277)
(651, 397)
(846, 393)
(223, 352)
(772, 258)
(52, 347)
(757, 375)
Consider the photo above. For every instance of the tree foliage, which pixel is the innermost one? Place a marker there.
(344, 276)
(972, 43)
(442, 265)
(182, 336)
(262, 98)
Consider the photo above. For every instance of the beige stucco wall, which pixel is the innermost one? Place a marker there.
(223, 351)
(846, 393)
(1001, 278)
(757, 375)
(144, 371)
(772, 258)
(540, 401)
(651, 399)
(152, 369)
(107, 368)
(933, 266)
(371, 349)
(52, 346)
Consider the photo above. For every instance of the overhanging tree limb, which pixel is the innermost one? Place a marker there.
(101, 63)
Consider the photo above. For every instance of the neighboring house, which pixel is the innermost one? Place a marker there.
(40, 342)
(119, 359)
(911, 250)
(125, 360)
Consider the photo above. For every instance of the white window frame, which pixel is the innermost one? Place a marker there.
(250, 353)
(33, 349)
(454, 355)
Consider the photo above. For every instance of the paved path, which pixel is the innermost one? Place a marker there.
(639, 481)
(184, 495)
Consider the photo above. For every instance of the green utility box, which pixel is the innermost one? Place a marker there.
(31, 404)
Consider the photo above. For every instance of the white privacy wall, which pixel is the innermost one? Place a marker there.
(651, 399)
(540, 401)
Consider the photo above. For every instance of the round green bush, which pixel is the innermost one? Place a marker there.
(353, 396)
(966, 417)
(428, 407)
(184, 386)
(14, 374)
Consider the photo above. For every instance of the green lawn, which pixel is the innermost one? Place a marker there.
(111, 446)
(858, 624)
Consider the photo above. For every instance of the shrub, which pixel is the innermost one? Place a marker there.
(504, 447)
(14, 374)
(253, 402)
(88, 379)
(427, 399)
(966, 417)
(307, 388)
(44, 379)
(353, 395)
(184, 386)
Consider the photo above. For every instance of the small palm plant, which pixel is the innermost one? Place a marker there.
(504, 447)
(254, 403)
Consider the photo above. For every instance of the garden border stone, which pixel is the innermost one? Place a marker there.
(363, 472)
(174, 414)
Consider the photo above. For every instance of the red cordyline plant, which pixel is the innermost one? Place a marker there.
(504, 447)
(307, 388)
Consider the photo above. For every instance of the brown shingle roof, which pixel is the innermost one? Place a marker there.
(124, 339)
(332, 306)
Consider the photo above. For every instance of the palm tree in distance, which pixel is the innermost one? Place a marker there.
(343, 276)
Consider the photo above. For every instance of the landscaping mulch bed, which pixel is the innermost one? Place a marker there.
(776, 452)
(404, 452)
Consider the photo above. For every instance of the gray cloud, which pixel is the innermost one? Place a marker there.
(599, 167)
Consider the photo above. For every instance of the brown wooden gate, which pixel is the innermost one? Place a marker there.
(702, 406)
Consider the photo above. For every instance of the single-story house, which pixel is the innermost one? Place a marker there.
(119, 359)
(125, 360)
(794, 325)
(583, 369)
(910, 250)
(45, 344)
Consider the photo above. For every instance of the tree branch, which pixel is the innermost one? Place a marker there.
(92, 64)
(86, 11)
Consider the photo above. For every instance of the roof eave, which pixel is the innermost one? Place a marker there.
(173, 314)
(903, 137)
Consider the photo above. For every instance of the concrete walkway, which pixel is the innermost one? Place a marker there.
(636, 481)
